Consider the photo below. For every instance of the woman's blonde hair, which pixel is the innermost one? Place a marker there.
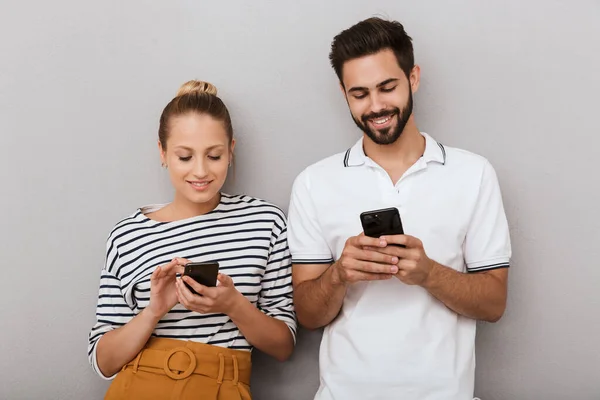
(199, 97)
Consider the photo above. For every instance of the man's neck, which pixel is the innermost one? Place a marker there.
(399, 156)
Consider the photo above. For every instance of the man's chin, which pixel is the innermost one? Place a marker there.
(383, 138)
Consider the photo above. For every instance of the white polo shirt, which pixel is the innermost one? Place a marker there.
(392, 340)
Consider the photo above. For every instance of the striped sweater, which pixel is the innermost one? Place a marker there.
(247, 236)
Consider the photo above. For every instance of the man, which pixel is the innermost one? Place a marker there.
(400, 321)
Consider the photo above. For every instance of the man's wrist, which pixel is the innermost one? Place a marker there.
(336, 278)
(430, 278)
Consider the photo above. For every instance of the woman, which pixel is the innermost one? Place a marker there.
(158, 338)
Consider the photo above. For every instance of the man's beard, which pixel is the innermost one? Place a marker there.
(391, 134)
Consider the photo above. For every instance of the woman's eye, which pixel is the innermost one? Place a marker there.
(214, 158)
(185, 158)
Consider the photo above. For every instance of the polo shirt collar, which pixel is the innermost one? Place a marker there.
(355, 156)
(434, 151)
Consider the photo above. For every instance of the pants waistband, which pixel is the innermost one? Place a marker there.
(178, 359)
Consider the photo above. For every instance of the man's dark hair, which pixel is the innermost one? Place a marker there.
(369, 37)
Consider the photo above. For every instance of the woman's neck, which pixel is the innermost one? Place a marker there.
(181, 208)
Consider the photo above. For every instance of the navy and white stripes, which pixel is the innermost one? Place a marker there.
(247, 236)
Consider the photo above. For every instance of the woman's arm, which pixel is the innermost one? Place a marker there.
(114, 344)
(266, 333)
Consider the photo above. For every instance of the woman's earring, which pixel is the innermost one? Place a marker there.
(163, 165)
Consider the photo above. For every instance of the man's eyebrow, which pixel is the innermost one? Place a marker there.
(364, 89)
(387, 81)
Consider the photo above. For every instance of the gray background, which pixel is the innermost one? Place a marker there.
(81, 90)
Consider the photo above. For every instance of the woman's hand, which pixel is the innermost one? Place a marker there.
(221, 299)
(163, 292)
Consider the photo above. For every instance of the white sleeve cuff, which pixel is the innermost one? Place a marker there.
(95, 364)
(312, 259)
(494, 263)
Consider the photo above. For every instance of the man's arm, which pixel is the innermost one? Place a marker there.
(319, 289)
(318, 294)
(477, 295)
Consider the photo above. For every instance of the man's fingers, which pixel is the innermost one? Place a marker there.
(369, 253)
(393, 251)
(396, 239)
(368, 261)
(378, 256)
(373, 267)
(362, 240)
(406, 264)
(406, 240)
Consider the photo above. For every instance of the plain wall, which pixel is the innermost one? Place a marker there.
(82, 85)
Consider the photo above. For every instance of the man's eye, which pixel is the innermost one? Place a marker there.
(360, 96)
(387, 90)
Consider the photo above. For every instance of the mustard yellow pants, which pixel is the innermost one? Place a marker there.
(176, 369)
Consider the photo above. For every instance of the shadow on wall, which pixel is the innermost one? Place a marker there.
(295, 379)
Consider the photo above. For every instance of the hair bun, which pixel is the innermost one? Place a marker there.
(194, 86)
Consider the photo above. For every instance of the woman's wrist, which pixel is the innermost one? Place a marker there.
(238, 304)
(151, 316)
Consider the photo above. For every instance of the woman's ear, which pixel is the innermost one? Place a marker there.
(231, 147)
(163, 160)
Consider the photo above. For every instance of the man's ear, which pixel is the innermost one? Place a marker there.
(415, 78)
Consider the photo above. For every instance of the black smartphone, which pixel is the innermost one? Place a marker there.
(382, 222)
(205, 273)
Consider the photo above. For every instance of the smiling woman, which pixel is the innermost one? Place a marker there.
(153, 334)
(196, 145)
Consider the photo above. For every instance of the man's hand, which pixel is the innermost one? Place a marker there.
(479, 295)
(414, 267)
(363, 259)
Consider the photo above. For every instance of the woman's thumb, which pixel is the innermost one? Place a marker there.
(225, 280)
